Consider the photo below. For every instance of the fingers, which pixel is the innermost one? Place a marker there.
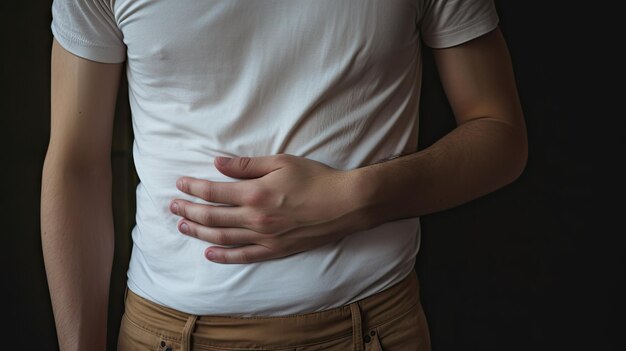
(231, 193)
(244, 254)
(249, 251)
(250, 167)
(211, 216)
(219, 236)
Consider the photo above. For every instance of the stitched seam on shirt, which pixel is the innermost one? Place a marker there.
(455, 30)
(78, 40)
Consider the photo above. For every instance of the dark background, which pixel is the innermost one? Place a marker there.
(536, 265)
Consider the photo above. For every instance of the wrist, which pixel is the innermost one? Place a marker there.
(365, 200)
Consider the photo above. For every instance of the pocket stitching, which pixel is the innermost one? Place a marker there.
(150, 331)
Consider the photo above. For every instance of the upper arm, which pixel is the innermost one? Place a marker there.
(83, 97)
(478, 80)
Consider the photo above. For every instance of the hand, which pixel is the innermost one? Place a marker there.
(285, 205)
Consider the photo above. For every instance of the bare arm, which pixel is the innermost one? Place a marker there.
(486, 151)
(76, 214)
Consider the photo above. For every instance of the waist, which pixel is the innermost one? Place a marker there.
(375, 310)
(170, 270)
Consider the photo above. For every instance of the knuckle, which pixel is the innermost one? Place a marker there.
(263, 222)
(220, 237)
(242, 257)
(207, 192)
(244, 162)
(207, 218)
(258, 197)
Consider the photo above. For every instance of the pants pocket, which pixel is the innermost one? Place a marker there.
(134, 337)
(407, 332)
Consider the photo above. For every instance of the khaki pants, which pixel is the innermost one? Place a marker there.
(392, 320)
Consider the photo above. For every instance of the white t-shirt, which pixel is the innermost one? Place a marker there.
(337, 81)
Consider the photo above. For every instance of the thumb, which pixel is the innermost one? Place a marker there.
(246, 167)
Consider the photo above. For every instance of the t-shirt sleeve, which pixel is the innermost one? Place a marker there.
(447, 23)
(87, 28)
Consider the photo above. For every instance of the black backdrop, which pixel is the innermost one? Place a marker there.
(537, 265)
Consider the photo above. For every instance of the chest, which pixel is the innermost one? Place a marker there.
(220, 37)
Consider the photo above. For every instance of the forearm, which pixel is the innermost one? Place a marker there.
(77, 240)
(472, 160)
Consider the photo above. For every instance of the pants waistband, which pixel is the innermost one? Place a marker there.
(251, 331)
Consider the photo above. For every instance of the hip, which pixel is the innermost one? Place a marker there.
(390, 320)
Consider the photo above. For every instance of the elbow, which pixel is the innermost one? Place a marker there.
(508, 153)
(76, 169)
(73, 159)
(518, 157)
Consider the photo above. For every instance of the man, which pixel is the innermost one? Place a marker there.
(280, 183)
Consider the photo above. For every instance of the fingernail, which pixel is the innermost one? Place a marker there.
(179, 184)
(210, 255)
(223, 161)
(184, 228)
(174, 207)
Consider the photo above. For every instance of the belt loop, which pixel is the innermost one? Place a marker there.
(186, 340)
(357, 328)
